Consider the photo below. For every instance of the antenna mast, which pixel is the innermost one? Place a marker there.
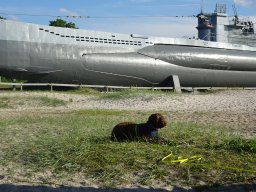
(202, 6)
(236, 19)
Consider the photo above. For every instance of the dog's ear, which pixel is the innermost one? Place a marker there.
(162, 122)
(157, 120)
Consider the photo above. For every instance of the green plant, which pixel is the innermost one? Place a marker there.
(242, 145)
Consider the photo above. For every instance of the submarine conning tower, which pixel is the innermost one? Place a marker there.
(204, 27)
(217, 27)
(211, 27)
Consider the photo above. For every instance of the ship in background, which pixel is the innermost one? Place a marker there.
(217, 27)
(223, 55)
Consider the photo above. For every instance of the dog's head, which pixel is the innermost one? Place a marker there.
(157, 120)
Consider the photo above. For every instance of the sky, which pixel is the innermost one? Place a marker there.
(145, 17)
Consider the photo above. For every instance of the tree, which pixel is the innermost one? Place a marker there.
(62, 23)
(2, 18)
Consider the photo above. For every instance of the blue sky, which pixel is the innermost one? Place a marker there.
(164, 26)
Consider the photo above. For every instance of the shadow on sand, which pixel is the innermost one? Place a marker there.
(27, 188)
(227, 188)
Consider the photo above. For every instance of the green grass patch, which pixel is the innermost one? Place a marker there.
(49, 102)
(116, 92)
(79, 142)
(84, 91)
(4, 102)
(14, 102)
(242, 145)
(93, 112)
(147, 95)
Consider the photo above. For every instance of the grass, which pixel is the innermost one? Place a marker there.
(14, 102)
(49, 102)
(121, 93)
(133, 92)
(84, 91)
(4, 102)
(79, 142)
(242, 145)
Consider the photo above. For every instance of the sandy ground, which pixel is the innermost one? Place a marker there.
(234, 109)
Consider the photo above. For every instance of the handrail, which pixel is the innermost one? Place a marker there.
(51, 85)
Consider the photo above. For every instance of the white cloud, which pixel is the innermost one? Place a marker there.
(68, 12)
(246, 3)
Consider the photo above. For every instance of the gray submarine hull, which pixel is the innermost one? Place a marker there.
(38, 53)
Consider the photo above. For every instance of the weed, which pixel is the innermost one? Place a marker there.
(242, 145)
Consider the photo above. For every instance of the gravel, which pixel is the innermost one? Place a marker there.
(234, 109)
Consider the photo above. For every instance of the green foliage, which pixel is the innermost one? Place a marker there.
(63, 23)
(9, 80)
(6, 80)
(2, 18)
(242, 145)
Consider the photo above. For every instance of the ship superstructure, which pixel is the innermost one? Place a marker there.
(218, 27)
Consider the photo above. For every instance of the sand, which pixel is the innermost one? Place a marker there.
(233, 109)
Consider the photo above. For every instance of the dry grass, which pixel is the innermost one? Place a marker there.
(79, 142)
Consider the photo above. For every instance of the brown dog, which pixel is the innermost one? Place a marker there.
(132, 131)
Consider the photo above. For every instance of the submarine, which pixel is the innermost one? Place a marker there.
(223, 55)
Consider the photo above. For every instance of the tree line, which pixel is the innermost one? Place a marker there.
(63, 23)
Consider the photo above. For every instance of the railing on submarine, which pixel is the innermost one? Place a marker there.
(108, 88)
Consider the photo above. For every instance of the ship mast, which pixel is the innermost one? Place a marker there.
(236, 19)
(202, 6)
